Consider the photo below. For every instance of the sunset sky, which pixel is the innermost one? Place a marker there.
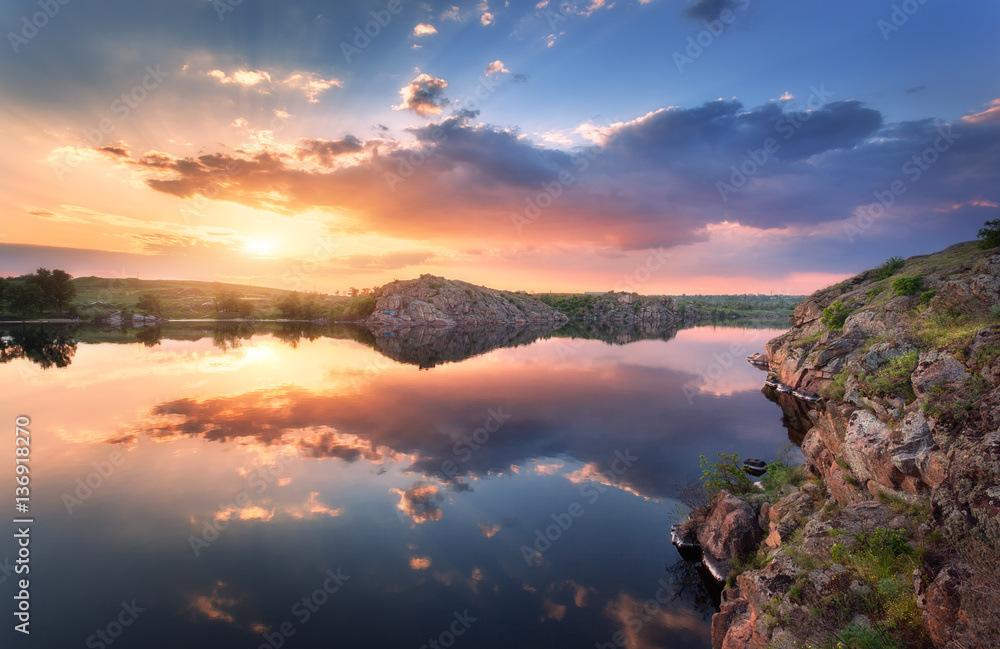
(725, 146)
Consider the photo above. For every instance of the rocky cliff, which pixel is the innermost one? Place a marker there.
(431, 300)
(895, 541)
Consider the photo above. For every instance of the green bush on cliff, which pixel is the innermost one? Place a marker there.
(780, 473)
(907, 285)
(726, 474)
(989, 235)
(856, 636)
(893, 378)
(835, 390)
(888, 269)
(835, 315)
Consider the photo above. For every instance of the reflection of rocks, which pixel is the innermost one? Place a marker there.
(794, 414)
(617, 333)
(430, 346)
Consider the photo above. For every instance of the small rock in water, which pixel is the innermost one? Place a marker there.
(755, 467)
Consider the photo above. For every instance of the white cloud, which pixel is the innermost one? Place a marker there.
(241, 77)
(496, 67)
(309, 83)
(423, 29)
(485, 16)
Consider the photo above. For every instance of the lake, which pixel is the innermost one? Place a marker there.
(204, 486)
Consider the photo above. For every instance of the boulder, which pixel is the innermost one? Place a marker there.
(936, 368)
(944, 599)
(730, 531)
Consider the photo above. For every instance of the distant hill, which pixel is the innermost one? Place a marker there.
(180, 298)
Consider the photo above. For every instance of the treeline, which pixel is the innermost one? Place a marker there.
(573, 306)
(308, 306)
(228, 303)
(740, 306)
(43, 293)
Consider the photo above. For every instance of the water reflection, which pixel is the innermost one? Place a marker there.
(256, 460)
(45, 345)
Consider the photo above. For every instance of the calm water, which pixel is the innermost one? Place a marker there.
(460, 491)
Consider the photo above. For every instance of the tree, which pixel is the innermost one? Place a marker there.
(61, 288)
(226, 302)
(148, 304)
(290, 305)
(990, 235)
(353, 292)
(23, 297)
(245, 309)
(309, 307)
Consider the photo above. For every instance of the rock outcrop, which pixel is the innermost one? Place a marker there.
(913, 385)
(431, 300)
(729, 532)
(910, 374)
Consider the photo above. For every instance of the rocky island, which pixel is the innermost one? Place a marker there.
(889, 535)
(432, 300)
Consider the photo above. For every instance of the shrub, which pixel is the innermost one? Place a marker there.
(726, 474)
(856, 636)
(889, 268)
(835, 315)
(893, 378)
(781, 473)
(989, 235)
(361, 307)
(907, 285)
(835, 390)
(926, 297)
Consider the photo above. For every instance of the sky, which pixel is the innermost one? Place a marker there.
(657, 146)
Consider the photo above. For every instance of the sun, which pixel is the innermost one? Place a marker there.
(258, 247)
